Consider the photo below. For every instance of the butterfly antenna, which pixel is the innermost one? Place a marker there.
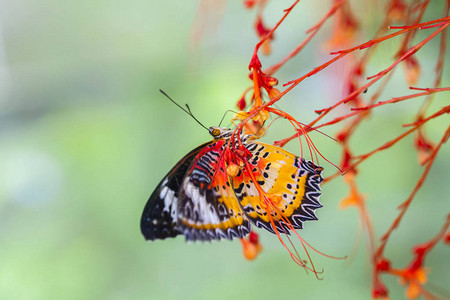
(188, 110)
(190, 113)
(230, 110)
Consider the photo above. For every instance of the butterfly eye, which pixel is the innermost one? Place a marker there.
(215, 132)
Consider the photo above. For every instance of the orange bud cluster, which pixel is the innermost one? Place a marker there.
(262, 31)
(412, 70)
(396, 10)
(424, 147)
(414, 275)
(345, 28)
(251, 246)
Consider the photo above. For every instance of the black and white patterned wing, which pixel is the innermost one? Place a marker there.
(207, 207)
(159, 219)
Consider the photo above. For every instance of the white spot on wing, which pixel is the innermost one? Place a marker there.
(163, 192)
(200, 204)
(168, 200)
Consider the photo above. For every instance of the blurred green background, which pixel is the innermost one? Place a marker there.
(85, 137)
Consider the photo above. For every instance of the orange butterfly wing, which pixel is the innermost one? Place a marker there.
(290, 184)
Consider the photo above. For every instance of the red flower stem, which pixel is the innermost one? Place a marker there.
(368, 44)
(351, 126)
(258, 100)
(375, 77)
(357, 111)
(404, 206)
(431, 243)
(390, 143)
(360, 117)
(439, 67)
(312, 32)
(394, 141)
(427, 91)
(411, 51)
(410, 35)
(261, 6)
(382, 73)
(269, 34)
(341, 54)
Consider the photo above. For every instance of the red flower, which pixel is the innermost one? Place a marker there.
(251, 246)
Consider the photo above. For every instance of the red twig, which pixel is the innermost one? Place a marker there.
(427, 91)
(312, 32)
(392, 142)
(270, 33)
(404, 206)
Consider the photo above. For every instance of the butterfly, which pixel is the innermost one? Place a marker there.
(198, 198)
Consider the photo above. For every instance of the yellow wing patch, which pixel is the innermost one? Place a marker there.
(281, 188)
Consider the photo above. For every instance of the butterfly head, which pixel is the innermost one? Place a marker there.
(219, 132)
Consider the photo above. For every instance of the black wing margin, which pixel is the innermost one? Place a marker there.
(159, 218)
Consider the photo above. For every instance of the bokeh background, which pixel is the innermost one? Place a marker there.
(85, 137)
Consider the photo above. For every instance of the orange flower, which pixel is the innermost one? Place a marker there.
(355, 198)
(412, 70)
(262, 31)
(256, 124)
(447, 239)
(414, 279)
(345, 28)
(424, 147)
(251, 246)
(397, 10)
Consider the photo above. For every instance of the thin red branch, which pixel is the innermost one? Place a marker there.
(270, 33)
(312, 32)
(392, 142)
(427, 91)
(376, 77)
(404, 206)
(439, 66)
